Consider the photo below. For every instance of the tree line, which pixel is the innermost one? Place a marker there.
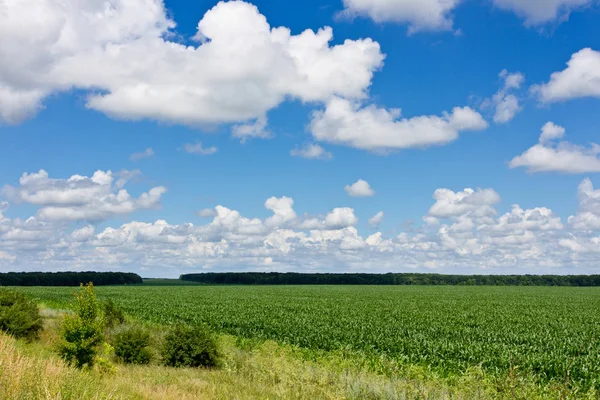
(293, 278)
(68, 278)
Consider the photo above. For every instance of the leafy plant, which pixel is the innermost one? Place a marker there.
(113, 314)
(189, 346)
(19, 316)
(82, 332)
(131, 345)
(102, 360)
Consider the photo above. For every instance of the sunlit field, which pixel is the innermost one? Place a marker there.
(549, 335)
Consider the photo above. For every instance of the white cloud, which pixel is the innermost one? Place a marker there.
(505, 103)
(255, 129)
(478, 203)
(360, 188)
(372, 128)
(341, 217)
(551, 131)
(311, 150)
(197, 148)
(512, 80)
(79, 197)
(581, 78)
(519, 220)
(237, 73)
(551, 156)
(588, 215)
(537, 12)
(144, 154)
(468, 238)
(420, 15)
(376, 219)
(83, 234)
(507, 107)
(283, 211)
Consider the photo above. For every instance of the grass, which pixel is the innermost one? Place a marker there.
(549, 334)
(365, 342)
(248, 370)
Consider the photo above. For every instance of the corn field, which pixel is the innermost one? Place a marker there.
(549, 334)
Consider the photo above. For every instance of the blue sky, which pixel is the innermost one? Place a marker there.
(122, 87)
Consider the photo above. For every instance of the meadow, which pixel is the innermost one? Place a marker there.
(550, 335)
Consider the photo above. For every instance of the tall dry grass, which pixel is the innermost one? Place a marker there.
(23, 376)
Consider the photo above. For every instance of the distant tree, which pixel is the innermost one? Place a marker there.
(291, 278)
(68, 278)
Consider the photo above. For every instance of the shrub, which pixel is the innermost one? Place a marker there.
(131, 345)
(82, 332)
(113, 315)
(19, 316)
(187, 346)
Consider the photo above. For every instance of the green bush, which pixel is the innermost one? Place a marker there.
(82, 332)
(187, 346)
(19, 316)
(131, 345)
(113, 315)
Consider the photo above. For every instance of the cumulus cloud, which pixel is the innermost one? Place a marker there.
(197, 148)
(550, 155)
(505, 102)
(341, 217)
(83, 234)
(581, 78)
(94, 198)
(144, 154)
(424, 15)
(378, 129)
(360, 188)
(468, 237)
(449, 204)
(551, 131)
(123, 56)
(376, 219)
(283, 211)
(588, 215)
(311, 150)
(537, 12)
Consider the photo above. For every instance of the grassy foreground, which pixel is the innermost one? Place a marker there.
(551, 335)
(249, 370)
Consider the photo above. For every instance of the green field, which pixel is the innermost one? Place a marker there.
(551, 335)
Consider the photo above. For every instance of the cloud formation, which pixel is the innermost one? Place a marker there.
(376, 219)
(505, 103)
(581, 78)
(360, 188)
(538, 12)
(81, 198)
(419, 15)
(236, 74)
(379, 129)
(197, 148)
(552, 155)
(462, 232)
